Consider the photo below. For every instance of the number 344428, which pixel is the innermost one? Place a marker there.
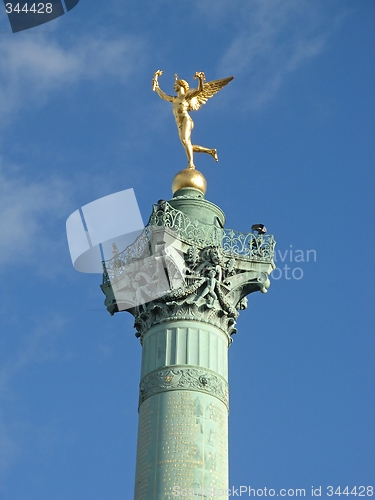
(35, 8)
(360, 491)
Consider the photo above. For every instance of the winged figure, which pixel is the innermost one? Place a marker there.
(186, 100)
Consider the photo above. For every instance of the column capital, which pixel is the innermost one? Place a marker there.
(209, 269)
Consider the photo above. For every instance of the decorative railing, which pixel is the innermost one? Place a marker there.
(255, 247)
(190, 231)
(116, 267)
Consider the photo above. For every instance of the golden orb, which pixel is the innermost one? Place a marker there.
(189, 177)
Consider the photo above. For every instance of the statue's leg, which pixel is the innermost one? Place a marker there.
(184, 131)
(204, 292)
(201, 149)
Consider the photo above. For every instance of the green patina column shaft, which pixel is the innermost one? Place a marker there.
(185, 333)
(183, 414)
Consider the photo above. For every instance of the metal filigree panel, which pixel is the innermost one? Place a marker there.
(257, 247)
(188, 230)
(114, 268)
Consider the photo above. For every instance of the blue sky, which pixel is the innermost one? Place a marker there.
(295, 137)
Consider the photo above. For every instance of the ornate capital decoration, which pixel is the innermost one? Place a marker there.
(182, 377)
(184, 269)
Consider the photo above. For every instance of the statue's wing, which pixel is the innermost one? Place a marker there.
(209, 89)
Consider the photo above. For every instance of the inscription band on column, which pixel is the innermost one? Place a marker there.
(182, 377)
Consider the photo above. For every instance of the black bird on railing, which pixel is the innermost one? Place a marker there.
(259, 228)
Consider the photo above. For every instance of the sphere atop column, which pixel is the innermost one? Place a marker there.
(189, 178)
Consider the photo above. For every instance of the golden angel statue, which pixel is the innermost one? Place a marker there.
(188, 99)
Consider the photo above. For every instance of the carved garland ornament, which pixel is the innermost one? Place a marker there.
(182, 378)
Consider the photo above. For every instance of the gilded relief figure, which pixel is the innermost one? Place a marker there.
(186, 100)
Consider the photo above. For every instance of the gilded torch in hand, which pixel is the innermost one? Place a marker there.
(155, 79)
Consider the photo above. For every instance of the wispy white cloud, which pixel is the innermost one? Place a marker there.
(25, 209)
(30, 68)
(272, 39)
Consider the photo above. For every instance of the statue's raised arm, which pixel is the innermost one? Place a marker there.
(205, 90)
(190, 100)
(156, 88)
